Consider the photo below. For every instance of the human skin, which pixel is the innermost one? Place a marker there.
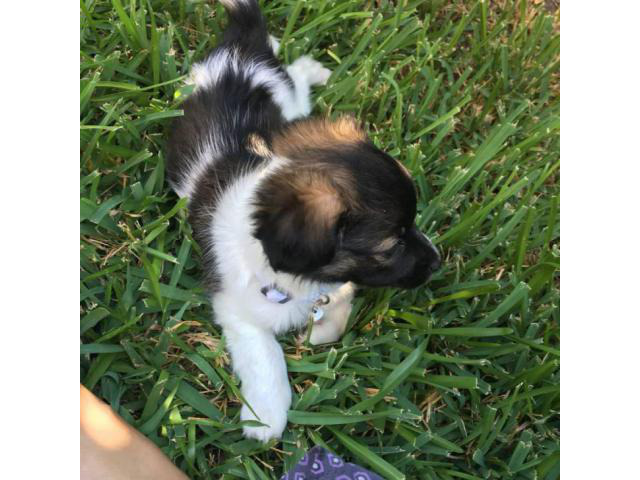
(111, 449)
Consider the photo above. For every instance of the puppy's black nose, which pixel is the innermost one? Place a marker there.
(435, 264)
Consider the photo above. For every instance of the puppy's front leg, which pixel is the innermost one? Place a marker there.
(259, 362)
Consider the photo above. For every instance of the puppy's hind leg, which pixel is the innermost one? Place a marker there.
(308, 71)
(333, 323)
(304, 72)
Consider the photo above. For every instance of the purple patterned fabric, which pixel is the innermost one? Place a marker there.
(320, 464)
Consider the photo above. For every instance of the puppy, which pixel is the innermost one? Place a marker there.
(290, 211)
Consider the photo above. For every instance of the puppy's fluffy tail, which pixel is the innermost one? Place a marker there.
(247, 25)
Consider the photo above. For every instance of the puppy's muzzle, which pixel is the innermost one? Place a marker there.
(432, 260)
(428, 261)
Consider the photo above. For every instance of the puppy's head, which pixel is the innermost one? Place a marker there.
(341, 210)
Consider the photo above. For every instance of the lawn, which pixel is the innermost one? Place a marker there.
(456, 379)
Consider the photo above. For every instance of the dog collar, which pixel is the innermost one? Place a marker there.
(275, 294)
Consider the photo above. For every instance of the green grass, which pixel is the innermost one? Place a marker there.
(458, 379)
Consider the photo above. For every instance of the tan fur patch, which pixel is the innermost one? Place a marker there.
(257, 145)
(317, 134)
(386, 244)
(322, 201)
(340, 265)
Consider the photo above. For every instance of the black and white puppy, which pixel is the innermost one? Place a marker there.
(288, 210)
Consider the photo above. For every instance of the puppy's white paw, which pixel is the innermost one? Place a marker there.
(271, 413)
(311, 70)
(324, 333)
(333, 323)
(331, 327)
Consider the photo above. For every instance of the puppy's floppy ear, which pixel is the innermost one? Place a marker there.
(296, 218)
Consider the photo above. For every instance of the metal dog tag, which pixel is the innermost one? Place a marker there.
(317, 313)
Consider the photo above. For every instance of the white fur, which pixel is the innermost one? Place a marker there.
(259, 362)
(249, 320)
(304, 72)
(307, 70)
